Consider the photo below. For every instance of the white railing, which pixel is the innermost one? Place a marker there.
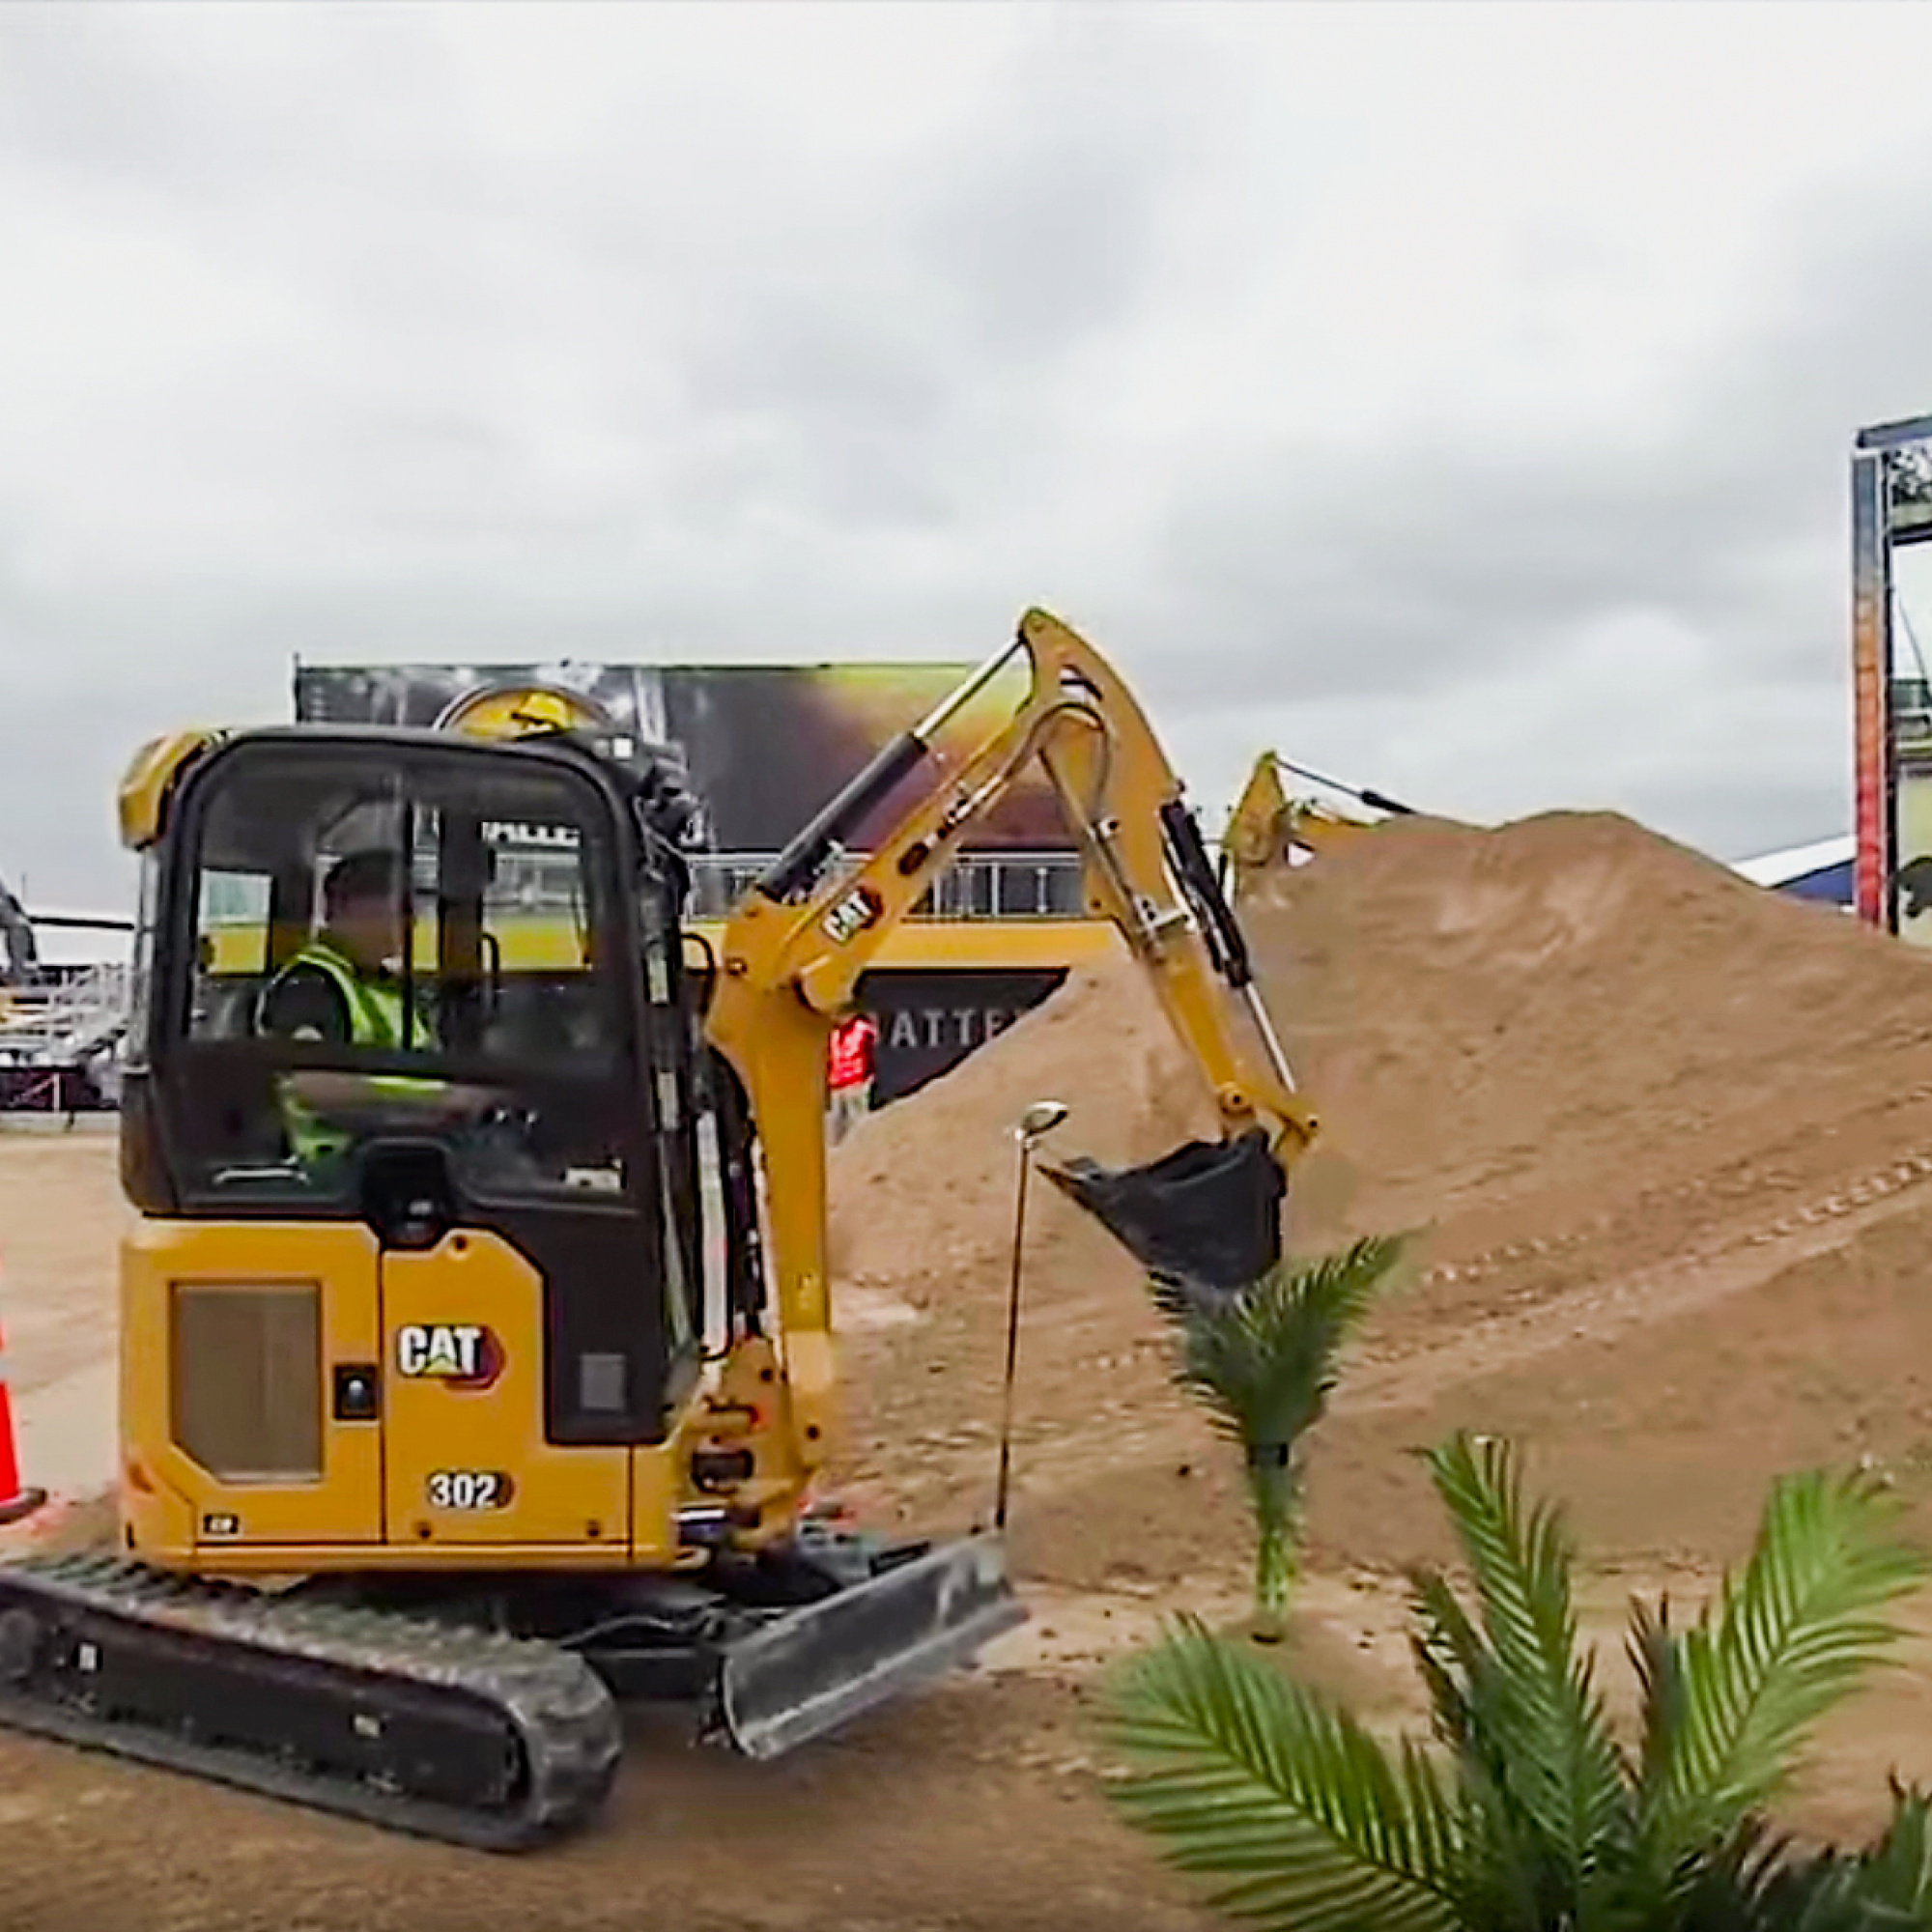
(977, 885)
(65, 1022)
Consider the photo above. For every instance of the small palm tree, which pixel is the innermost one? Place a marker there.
(1263, 1362)
(1531, 1816)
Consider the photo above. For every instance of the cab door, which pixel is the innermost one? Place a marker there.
(465, 1452)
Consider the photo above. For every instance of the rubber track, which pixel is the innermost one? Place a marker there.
(559, 1711)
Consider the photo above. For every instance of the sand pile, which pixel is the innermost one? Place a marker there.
(1581, 1056)
(1569, 1001)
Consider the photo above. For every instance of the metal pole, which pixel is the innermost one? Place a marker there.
(1012, 1337)
(1041, 1117)
(957, 699)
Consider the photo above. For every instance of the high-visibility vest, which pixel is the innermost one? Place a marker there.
(851, 1053)
(375, 1019)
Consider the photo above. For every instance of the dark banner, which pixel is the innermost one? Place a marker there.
(761, 746)
(930, 1020)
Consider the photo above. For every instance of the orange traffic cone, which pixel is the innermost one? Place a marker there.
(16, 1502)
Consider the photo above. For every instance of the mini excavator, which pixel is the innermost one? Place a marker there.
(506, 1402)
(1268, 823)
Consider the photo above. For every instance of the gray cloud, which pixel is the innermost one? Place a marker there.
(407, 333)
(1406, 575)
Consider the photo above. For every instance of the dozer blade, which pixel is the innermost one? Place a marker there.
(817, 1667)
(1206, 1217)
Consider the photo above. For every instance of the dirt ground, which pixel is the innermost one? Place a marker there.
(980, 1805)
(1666, 1144)
(60, 1215)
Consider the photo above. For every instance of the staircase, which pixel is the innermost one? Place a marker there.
(60, 1041)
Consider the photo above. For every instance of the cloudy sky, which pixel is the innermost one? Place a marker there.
(1456, 398)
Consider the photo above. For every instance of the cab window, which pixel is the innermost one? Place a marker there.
(422, 941)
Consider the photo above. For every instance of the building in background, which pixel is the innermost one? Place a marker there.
(1823, 870)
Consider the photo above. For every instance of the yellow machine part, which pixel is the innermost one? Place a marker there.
(143, 798)
(240, 1462)
(1268, 824)
(520, 713)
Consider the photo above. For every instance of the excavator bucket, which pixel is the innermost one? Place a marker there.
(1205, 1218)
(817, 1667)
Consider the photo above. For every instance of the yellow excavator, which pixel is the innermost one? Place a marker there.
(1269, 824)
(478, 1365)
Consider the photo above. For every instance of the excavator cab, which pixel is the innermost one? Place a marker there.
(417, 1003)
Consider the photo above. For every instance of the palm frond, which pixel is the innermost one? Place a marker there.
(1508, 1878)
(1743, 1883)
(1264, 1361)
(1534, 1725)
(1454, 1663)
(1789, 1639)
(1897, 1872)
(1656, 1657)
(1307, 1820)
(1884, 1886)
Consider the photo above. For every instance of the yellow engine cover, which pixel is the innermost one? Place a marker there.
(294, 1398)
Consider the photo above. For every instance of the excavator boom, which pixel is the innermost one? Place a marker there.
(1205, 1216)
(794, 951)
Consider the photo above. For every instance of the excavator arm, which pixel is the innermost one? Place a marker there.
(1267, 822)
(793, 952)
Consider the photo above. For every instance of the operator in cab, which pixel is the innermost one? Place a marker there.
(343, 987)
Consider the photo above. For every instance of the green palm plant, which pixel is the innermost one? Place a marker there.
(1530, 1814)
(1263, 1362)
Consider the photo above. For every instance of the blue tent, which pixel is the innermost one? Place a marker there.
(1820, 870)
